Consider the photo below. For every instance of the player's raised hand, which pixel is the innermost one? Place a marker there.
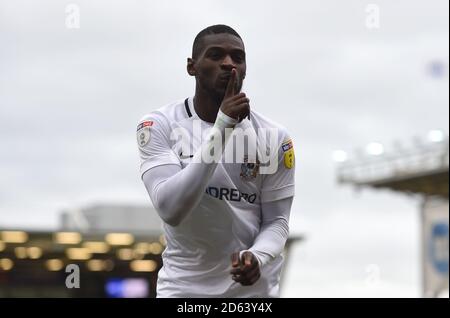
(246, 270)
(234, 104)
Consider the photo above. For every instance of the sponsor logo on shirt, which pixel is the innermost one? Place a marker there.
(230, 194)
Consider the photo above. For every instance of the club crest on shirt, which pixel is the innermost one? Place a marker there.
(143, 132)
(288, 157)
(249, 170)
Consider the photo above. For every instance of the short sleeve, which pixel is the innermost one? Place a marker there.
(281, 184)
(153, 143)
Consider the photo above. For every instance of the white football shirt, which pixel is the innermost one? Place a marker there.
(196, 261)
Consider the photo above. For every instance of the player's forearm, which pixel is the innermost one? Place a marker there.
(274, 230)
(176, 196)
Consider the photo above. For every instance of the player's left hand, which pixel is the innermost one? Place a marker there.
(246, 270)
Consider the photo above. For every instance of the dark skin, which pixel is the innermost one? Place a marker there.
(219, 69)
(246, 270)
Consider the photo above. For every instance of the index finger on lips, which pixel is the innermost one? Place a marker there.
(231, 86)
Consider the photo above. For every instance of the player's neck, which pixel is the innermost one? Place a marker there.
(206, 106)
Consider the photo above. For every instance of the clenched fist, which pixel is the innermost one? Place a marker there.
(246, 270)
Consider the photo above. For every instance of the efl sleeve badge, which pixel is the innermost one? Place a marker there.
(143, 132)
(288, 154)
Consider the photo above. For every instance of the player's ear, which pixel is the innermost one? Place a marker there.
(191, 67)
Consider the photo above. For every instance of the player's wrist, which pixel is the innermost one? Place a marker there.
(262, 258)
(224, 121)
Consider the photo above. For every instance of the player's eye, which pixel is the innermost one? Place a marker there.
(215, 55)
(239, 57)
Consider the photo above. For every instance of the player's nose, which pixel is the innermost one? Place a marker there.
(228, 62)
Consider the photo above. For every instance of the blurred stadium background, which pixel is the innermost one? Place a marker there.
(418, 168)
(117, 251)
(116, 248)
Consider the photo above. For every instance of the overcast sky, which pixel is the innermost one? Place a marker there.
(70, 99)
